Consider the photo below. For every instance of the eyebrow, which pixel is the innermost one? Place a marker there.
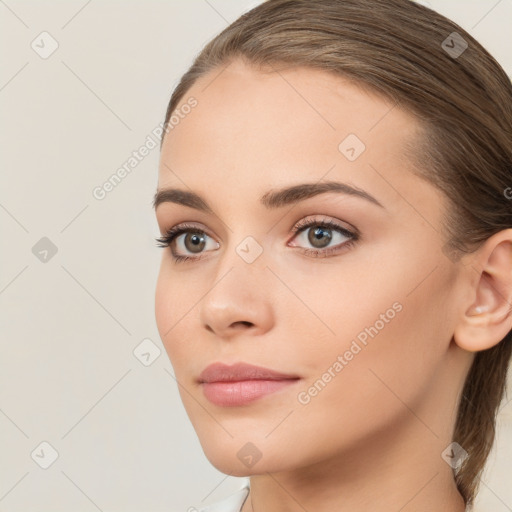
(276, 198)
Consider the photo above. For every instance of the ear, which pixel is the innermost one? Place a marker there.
(488, 319)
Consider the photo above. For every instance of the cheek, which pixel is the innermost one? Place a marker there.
(163, 305)
(388, 335)
(356, 302)
(173, 309)
(390, 295)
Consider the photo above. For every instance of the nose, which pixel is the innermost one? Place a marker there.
(238, 302)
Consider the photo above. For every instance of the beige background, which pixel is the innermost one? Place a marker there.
(68, 373)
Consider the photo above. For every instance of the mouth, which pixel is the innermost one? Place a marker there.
(242, 383)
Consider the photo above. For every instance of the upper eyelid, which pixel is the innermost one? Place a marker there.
(325, 219)
(306, 200)
(188, 226)
(299, 224)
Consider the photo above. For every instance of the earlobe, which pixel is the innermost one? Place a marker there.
(488, 319)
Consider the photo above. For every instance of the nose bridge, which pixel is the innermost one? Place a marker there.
(238, 294)
(241, 272)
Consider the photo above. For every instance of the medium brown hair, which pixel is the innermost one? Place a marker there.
(463, 102)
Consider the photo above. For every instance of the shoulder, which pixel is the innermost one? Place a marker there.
(232, 503)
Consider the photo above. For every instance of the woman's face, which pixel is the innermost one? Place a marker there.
(365, 323)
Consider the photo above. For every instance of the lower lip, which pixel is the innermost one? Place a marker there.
(231, 394)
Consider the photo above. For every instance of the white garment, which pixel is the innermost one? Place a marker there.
(233, 503)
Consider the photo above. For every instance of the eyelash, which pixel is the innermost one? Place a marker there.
(173, 233)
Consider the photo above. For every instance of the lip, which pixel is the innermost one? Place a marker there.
(241, 383)
(220, 372)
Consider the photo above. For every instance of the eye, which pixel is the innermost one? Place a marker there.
(324, 237)
(186, 238)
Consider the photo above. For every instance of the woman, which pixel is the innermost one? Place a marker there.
(334, 198)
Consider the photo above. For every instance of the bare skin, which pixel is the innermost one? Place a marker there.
(371, 437)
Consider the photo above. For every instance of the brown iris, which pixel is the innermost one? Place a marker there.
(321, 235)
(194, 242)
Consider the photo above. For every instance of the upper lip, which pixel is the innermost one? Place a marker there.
(220, 372)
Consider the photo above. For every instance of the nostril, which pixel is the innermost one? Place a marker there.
(244, 322)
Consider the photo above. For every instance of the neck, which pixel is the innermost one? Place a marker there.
(402, 472)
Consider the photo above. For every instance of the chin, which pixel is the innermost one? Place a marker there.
(242, 458)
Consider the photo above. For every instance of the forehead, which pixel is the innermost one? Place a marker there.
(240, 98)
(259, 129)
